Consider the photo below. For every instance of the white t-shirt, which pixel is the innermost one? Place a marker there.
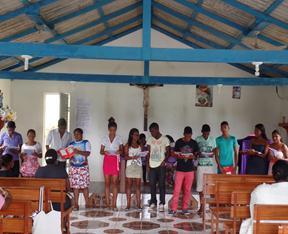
(157, 150)
(56, 142)
(30, 149)
(274, 194)
(134, 152)
(111, 147)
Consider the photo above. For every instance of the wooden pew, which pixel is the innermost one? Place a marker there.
(240, 209)
(223, 196)
(209, 183)
(16, 218)
(267, 218)
(283, 229)
(23, 194)
(56, 189)
(29, 194)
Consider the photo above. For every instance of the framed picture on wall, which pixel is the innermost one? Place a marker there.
(236, 93)
(204, 96)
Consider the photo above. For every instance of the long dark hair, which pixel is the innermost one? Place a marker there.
(278, 133)
(261, 128)
(132, 131)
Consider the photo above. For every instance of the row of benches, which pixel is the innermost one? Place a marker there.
(229, 196)
(25, 201)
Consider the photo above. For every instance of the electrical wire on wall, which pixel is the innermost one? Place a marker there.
(279, 96)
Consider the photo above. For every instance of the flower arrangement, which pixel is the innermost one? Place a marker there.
(6, 113)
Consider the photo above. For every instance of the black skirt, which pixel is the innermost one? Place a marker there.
(256, 165)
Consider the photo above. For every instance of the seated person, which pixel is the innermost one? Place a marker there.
(53, 170)
(7, 164)
(274, 194)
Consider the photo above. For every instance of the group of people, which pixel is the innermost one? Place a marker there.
(205, 154)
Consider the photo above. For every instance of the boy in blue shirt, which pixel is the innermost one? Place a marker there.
(226, 151)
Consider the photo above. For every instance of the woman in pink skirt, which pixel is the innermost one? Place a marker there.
(30, 152)
(111, 148)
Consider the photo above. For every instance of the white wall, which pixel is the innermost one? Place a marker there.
(172, 106)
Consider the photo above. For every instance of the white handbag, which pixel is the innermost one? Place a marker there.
(46, 223)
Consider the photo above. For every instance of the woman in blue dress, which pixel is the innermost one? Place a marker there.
(257, 161)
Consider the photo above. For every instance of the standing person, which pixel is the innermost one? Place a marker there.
(144, 153)
(257, 160)
(54, 171)
(7, 164)
(111, 148)
(186, 151)
(10, 143)
(59, 138)
(226, 151)
(132, 152)
(79, 171)
(30, 152)
(277, 150)
(207, 164)
(170, 163)
(158, 147)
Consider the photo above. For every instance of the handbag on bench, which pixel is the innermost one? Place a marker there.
(46, 223)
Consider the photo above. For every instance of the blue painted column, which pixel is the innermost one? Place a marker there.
(146, 38)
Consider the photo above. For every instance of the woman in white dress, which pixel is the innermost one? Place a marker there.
(134, 172)
(277, 150)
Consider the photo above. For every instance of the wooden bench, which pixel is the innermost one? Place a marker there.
(283, 229)
(240, 209)
(16, 218)
(223, 196)
(209, 183)
(268, 218)
(29, 194)
(20, 197)
(56, 189)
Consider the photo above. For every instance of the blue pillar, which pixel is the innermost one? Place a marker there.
(146, 38)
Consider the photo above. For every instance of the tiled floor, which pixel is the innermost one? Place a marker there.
(106, 221)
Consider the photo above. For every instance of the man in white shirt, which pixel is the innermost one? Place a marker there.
(274, 194)
(59, 138)
(158, 147)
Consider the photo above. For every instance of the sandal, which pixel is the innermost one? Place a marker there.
(76, 208)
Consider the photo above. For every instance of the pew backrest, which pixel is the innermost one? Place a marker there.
(268, 218)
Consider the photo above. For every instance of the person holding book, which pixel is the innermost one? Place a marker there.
(31, 151)
(11, 143)
(257, 160)
(59, 139)
(111, 149)
(158, 147)
(79, 170)
(186, 151)
(277, 150)
(132, 152)
(226, 151)
(207, 164)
